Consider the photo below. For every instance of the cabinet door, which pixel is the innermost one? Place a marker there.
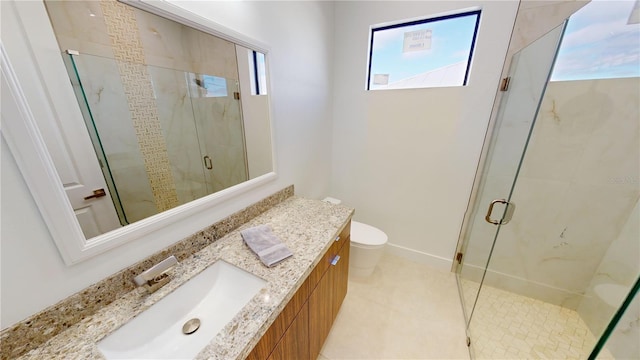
(340, 278)
(295, 342)
(320, 314)
(326, 300)
(283, 322)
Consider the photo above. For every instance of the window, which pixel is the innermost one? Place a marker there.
(601, 41)
(424, 53)
(258, 73)
(213, 86)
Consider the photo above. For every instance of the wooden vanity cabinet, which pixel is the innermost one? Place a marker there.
(340, 276)
(295, 342)
(326, 299)
(302, 327)
(271, 339)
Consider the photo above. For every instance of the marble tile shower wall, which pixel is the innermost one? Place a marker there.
(169, 44)
(162, 45)
(136, 82)
(222, 140)
(176, 116)
(620, 267)
(577, 187)
(105, 95)
(623, 342)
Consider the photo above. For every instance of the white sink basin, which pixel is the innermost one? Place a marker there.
(214, 296)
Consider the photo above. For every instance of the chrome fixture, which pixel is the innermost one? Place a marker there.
(191, 326)
(156, 277)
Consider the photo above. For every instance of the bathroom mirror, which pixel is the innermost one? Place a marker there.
(168, 114)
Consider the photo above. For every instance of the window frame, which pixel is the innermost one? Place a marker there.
(463, 13)
(257, 72)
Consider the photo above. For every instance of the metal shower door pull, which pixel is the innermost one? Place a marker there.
(208, 163)
(508, 214)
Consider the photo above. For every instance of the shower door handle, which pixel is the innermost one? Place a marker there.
(208, 163)
(508, 214)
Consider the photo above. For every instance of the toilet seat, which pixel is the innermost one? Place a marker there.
(367, 235)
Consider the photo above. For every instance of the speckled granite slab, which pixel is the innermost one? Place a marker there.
(307, 227)
(37, 329)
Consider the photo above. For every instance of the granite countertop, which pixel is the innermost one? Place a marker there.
(306, 226)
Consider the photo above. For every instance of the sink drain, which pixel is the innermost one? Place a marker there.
(191, 326)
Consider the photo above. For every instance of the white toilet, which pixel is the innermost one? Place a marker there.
(367, 246)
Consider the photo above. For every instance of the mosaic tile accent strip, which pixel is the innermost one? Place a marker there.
(39, 328)
(511, 326)
(123, 31)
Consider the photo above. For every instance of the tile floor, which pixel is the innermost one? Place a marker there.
(511, 326)
(407, 310)
(404, 310)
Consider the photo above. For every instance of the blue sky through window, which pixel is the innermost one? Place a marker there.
(216, 86)
(599, 43)
(450, 43)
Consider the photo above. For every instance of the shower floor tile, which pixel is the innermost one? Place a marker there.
(510, 326)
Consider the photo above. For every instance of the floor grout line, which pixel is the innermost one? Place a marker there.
(528, 328)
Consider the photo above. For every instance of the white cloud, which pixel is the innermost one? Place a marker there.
(599, 43)
(384, 38)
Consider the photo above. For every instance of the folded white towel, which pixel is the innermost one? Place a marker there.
(262, 241)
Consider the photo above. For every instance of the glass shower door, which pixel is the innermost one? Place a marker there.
(561, 273)
(529, 73)
(218, 119)
(185, 131)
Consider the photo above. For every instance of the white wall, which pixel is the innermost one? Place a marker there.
(33, 276)
(406, 159)
(255, 116)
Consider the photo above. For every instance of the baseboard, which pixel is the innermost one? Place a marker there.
(515, 284)
(434, 261)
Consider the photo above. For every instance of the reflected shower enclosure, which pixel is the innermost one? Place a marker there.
(172, 112)
(182, 139)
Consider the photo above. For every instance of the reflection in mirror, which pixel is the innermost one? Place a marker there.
(174, 114)
(259, 74)
(201, 126)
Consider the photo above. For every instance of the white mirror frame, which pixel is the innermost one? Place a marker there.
(21, 132)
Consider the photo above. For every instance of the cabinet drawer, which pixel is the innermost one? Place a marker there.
(343, 237)
(323, 265)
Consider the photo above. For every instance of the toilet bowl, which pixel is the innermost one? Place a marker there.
(367, 246)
